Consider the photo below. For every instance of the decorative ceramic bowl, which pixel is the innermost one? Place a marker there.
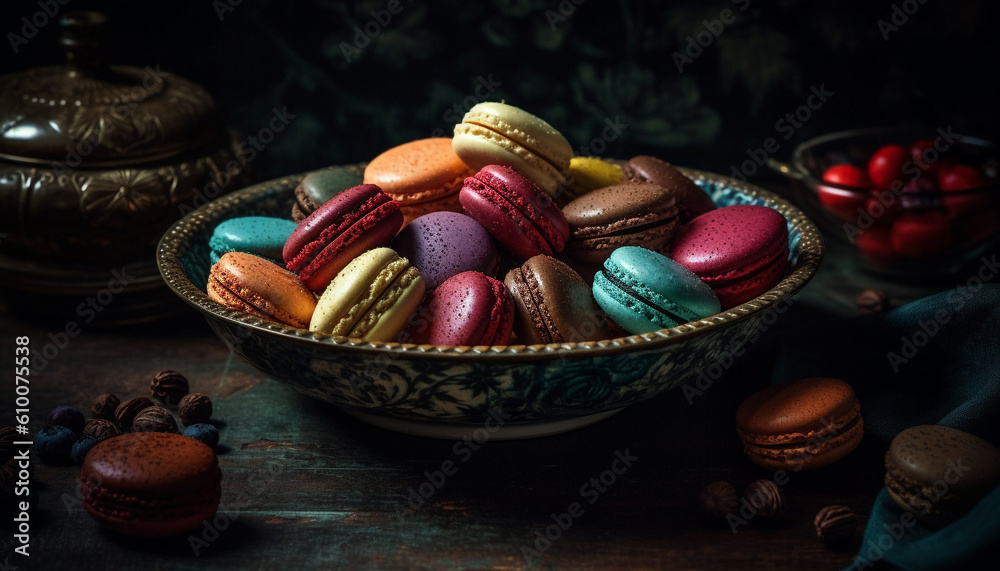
(447, 392)
(957, 226)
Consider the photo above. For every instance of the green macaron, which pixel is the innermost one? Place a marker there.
(644, 291)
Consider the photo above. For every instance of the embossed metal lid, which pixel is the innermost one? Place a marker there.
(89, 113)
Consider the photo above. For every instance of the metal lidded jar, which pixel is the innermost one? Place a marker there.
(96, 162)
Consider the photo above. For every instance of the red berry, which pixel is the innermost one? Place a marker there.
(847, 175)
(926, 160)
(842, 202)
(875, 244)
(886, 166)
(961, 177)
(921, 235)
(883, 207)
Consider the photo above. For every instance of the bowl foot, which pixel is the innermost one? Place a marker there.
(450, 431)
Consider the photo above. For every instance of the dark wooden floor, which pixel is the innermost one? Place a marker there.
(305, 485)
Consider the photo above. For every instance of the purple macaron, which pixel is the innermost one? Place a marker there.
(443, 244)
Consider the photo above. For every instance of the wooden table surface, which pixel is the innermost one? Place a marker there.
(307, 486)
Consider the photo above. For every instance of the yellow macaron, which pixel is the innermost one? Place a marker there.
(494, 133)
(372, 298)
(590, 173)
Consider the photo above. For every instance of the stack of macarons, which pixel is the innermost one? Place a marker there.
(495, 236)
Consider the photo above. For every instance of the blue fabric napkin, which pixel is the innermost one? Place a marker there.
(934, 361)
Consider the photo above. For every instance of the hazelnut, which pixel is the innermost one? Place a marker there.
(104, 406)
(168, 386)
(872, 301)
(719, 499)
(154, 419)
(836, 526)
(100, 429)
(126, 411)
(195, 408)
(766, 497)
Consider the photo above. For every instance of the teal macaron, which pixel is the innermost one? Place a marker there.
(644, 291)
(261, 235)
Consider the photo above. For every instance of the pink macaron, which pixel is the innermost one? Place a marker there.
(519, 215)
(469, 308)
(740, 251)
(349, 224)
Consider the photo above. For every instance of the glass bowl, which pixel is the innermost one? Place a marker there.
(913, 230)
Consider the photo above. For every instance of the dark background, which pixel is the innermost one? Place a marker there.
(605, 60)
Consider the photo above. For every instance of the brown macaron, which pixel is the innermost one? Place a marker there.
(151, 484)
(628, 214)
(938, 473)
(552, 304)
(253, 285)
(692, 201)
(802, 424)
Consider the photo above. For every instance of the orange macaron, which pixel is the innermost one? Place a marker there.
(253, 285)
(802, 424)
(423, 176)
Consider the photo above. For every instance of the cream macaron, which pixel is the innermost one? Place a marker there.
(494, 133)
(372, 298)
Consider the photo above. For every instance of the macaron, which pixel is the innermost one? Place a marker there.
(552, 304)
(354, 221)
(590, 173)
(494, 133)
(802, 424)
(515, 212)
(371, 299)
(644, 291)
(318, 187)
(628, 214)
(938, 473)
(740, 251)
(248, 283)
(261, 235)
(692, 200)
(443, 244)
(424, 176)
(151, 484)
(469, 308)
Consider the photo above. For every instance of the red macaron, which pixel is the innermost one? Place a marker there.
(469, 308)
(519, 215)
(151, 484)
(740, 251)
(347, 225)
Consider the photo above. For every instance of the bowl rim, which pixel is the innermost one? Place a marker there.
(813, 180)
(169, 252)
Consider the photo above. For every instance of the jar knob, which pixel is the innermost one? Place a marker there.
(83, 35)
